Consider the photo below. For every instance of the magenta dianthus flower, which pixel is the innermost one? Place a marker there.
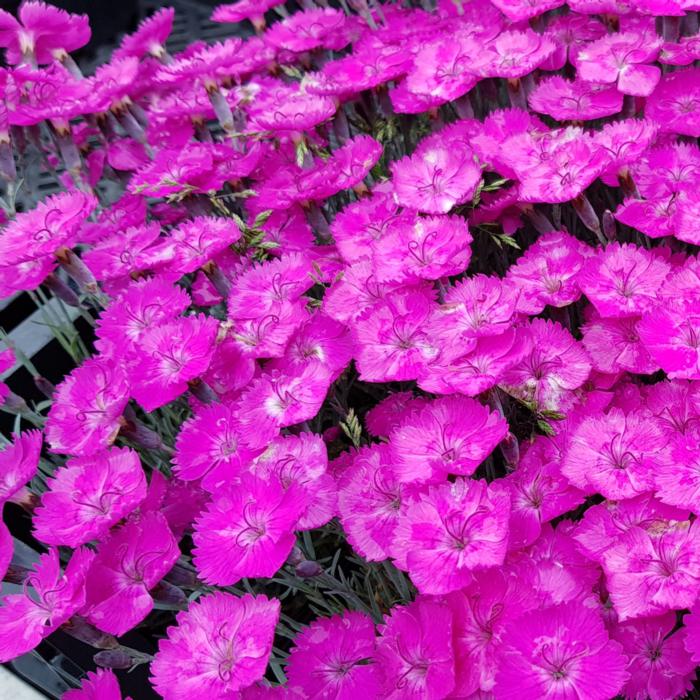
(334, 658)
(43, 33)
(651, 571)
(128, 564)
(562, 651)
(50, 598)
(88, 404)
(434, 180)
(247, 530)
(98, 685)
(615, 454)
(453, 529)
(210, 447)
(18, 462)
(89, 495)
(659, 667)
(414, 654)
(623, 58)
(218, 647)
(171, 355)
(451, 435)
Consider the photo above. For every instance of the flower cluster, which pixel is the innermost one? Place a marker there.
(391, 385)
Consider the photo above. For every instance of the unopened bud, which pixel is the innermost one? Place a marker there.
(308, 569)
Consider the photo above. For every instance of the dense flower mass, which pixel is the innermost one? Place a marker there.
(384, 378)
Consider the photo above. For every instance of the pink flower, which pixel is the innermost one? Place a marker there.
(122, 252)
(452, 435)
(53, 94)
(659, 666)
(301, 461)
(198, 240)
(128, 564)
(263, 288)
(142, 305)
(279, 399)
(434, 180)
(518, 10)
(206, 63)
(681, 53)
(292, 112)
(43, 32)
(615, 454)
(392, 340)
(321, 343)
(674, 103)
(481, 368)
(268, 335)
(390, 411)
(676, 405)
(513, 54)
(356, 291)
(363, 70)
(348, 166)
(691, 632)
(179, 501)
(623, 280)
(555, 366)
(53, 223)
(7, 546)
(570, 33)
(622, 58)
(614, 345)
(150, 37)
(414, 654)
(654, 217)
(480, 615)
(306, 30)
(89, 495)
(539, 492)
(334, 658)
(211, 447)
(511, 126)
(230, 369)
(18, 462)
(98, 685)
(574, 99)
(670, 334)
(650, 571)
(478, 306)
(677, 478)
(170, 355)
(443, 69)
(562, 651)
(453, 529)
(246, 531)
(403, 101)
(687, 211)
(667, 170)
(243, 9)
(50, 598)
(626, 141)
(426, 248)
(88, 404)
(554, 569)
(219, 646)
(547, 273)
(556, 166)
(604, 524)
(359, 225)
(369, 503)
